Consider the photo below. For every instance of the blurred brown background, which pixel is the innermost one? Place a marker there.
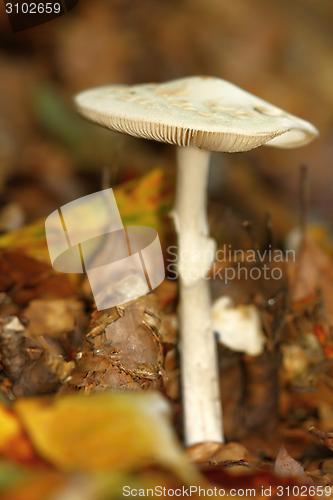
(280, 50)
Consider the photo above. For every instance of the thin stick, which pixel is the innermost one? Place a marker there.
(303, 200)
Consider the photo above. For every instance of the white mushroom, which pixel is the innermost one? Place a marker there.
(199, 115)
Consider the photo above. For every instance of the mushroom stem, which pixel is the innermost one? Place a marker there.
(201, 397)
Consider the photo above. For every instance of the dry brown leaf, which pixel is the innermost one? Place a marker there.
(53, 318)
(326, 438)
(219, 454)
(32, 366)
(24, 278)
(306, 275)
(286, 466)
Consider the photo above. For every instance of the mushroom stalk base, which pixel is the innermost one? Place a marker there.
(200, 385)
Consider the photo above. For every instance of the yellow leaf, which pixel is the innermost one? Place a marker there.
(145, 201)
(142, 201)
(118, 431)
(14, 445)
(29, 239)
(9, 427)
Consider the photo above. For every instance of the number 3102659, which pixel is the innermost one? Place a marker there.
(33, 8)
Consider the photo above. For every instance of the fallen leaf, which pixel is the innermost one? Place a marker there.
(219, 454)
(286, 466)
(53, 318)
(31, 365)
(24, 278)
(104, 431)
(140, 202)
(14, 444)
(306, 275)
(326, 438)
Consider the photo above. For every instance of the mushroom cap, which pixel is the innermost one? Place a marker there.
(204, 112)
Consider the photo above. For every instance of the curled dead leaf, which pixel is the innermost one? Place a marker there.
(286, 466)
